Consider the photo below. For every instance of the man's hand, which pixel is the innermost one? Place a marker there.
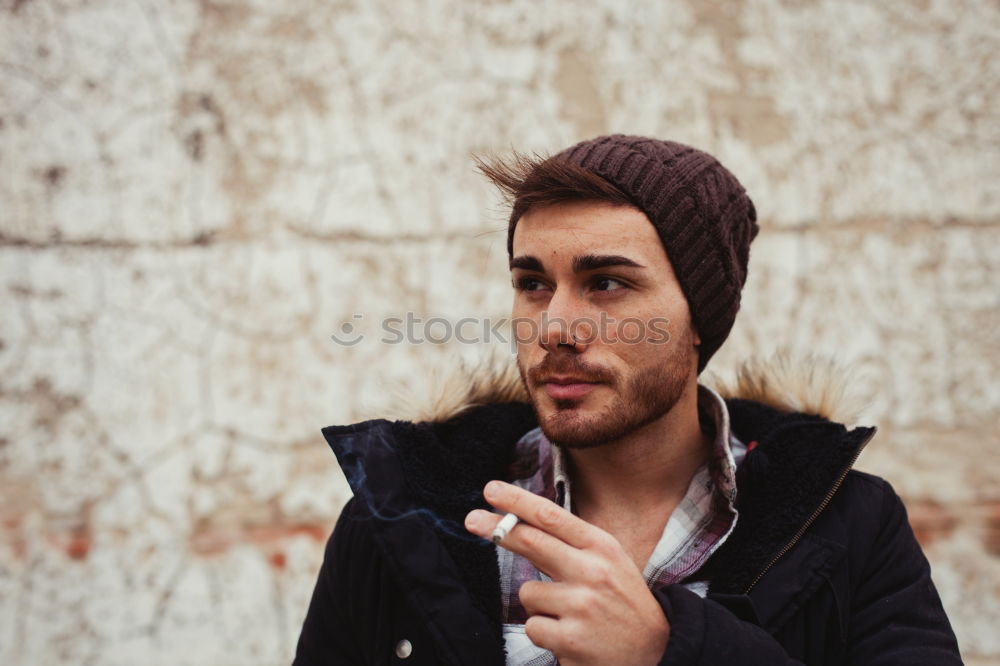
(597, 609)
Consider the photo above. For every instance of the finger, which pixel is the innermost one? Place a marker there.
(553, 557)
(545, 515)
(553, 599)
(543, 631)
(481, 522)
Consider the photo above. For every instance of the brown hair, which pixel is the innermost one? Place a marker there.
(526, 181)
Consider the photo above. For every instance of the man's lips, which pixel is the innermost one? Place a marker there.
(567, 388)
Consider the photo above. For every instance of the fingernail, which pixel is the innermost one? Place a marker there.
(492, 490)
(472, 521)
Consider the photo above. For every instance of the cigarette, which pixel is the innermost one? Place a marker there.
(504, 527)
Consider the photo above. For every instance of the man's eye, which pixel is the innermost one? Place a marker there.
(528, 284)
(608, 284)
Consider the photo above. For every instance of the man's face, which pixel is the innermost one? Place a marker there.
(598, 272)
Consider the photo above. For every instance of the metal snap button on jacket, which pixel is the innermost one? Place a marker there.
(404, 649)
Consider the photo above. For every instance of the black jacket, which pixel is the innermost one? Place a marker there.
(822, 567)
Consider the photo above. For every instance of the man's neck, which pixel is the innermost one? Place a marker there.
(643, 474)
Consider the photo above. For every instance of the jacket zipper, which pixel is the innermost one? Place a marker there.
(815, 514)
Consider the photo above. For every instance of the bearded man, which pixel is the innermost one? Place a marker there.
(659, 522)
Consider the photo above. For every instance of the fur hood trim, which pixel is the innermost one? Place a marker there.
(809, 384)
(494, 379)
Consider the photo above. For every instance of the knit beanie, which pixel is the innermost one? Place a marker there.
(701, 213)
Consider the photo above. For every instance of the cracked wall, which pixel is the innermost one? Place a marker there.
(196, 195)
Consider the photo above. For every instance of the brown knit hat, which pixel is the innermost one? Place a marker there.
(702, 214)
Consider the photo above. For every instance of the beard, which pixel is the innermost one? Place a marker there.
(638, 400)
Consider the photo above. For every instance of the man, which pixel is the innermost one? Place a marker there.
(659, 523)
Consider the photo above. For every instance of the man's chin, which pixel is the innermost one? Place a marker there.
(588, 423)
(548, 408)
(572, 424)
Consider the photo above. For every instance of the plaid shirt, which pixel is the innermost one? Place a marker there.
(698, 526)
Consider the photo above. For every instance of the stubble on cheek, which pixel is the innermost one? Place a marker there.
(614, 409)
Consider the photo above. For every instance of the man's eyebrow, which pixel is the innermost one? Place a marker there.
(527, 263)
(585, 262)
(590, 262)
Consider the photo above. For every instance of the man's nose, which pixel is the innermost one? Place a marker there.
(565, 323)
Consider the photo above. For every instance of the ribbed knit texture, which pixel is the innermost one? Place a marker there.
(702, 214)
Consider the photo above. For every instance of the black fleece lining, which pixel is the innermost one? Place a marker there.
(447, 465)
(781, 484)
